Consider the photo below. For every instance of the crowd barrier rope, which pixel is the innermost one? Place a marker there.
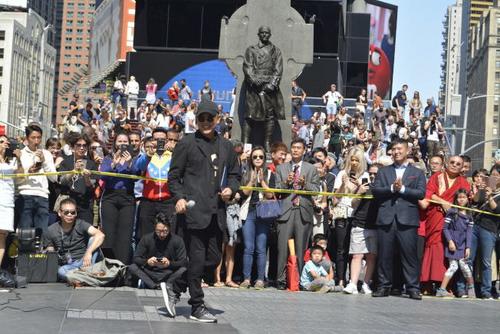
(268, 190)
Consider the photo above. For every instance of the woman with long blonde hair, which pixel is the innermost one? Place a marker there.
(347, 181)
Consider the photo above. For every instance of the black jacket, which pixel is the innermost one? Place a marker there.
(191, 177)
(404, 207)
(172, 248)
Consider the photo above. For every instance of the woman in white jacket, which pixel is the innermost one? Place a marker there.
(8, 165)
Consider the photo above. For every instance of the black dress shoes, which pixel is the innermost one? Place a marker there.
(415, 295)
(381, 292)
(280, 285)
(396, 292)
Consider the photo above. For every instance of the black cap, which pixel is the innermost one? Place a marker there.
(207, 107)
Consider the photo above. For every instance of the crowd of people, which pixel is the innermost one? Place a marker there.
(397, 222)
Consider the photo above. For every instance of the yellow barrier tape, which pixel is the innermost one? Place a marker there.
(77, 172)
(319, 193)
(127, 176)
(305, 192)
(269, 190)
(21, 175)
(468, 209)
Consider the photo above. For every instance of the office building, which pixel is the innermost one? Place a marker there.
(477, 8)
(27, 67)
(450, 75)
(483, 90)
(74, 53)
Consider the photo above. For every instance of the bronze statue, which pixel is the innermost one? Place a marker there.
(263, 69)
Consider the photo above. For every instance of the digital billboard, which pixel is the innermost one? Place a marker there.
(112, 37)
(383, 23)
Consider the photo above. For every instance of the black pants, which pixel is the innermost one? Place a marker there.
(342, 237)
(147, 212)
(389, 237)
(205, 250)
(152, 278)
(86, 212)
(117, 220)
(272, 245)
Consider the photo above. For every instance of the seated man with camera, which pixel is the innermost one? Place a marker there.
(74, 240)
(161, 260)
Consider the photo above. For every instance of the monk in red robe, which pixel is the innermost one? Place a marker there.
(441, 188)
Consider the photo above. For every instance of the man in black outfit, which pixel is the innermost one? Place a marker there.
(160, 260)
(398, 188)
(204, 170)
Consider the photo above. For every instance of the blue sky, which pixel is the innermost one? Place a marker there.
(418, 45)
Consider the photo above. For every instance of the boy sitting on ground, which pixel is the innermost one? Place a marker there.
(320, 240)
(314, 277)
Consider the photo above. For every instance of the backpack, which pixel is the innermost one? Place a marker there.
(102, 273)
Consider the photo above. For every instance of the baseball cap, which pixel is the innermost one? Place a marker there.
(207, 107)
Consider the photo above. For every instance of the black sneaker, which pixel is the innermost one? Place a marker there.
(201, 314)
(169, 298)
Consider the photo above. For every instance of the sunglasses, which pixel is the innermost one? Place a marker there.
(94, 147)
(204, 118)
(81, 145)
(69, 212)
(255, 157)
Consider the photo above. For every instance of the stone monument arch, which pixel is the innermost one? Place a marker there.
(293, 40)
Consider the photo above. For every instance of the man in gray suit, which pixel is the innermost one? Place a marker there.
(297, 217)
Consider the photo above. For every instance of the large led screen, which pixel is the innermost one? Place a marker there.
(383, 25)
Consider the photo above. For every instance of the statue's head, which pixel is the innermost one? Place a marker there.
(264, 33)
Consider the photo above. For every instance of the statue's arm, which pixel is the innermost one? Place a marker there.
(248, 67)
(278, 67)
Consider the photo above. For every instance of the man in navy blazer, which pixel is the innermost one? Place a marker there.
(398, 188)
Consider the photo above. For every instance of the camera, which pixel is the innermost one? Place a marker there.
(13, 145)
(126, 148)
(160, 147)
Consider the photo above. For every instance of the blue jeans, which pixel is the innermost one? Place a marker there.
(63, 270)
(255, 233)
(33, 212)
(485, 240)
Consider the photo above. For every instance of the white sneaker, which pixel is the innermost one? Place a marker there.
(351, 289)
(366, 289)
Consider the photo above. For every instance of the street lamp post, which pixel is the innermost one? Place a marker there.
(466, 114)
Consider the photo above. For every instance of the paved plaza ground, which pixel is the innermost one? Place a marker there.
(55, 308)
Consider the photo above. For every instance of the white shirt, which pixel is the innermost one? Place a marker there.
(332, 97)
(400, 170)
(36, 185)
(190, 117)
(7, 185)
(346, 201)
(163, 121)
(132, 88)
(186, 93)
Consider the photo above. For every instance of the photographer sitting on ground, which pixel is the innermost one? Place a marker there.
(75, 240)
